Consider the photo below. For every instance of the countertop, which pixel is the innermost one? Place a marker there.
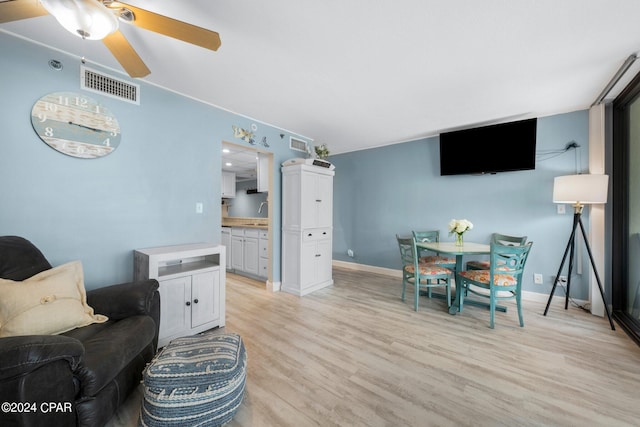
(233, 221)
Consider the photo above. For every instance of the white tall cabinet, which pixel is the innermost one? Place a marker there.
(307, 227)
(192, 286)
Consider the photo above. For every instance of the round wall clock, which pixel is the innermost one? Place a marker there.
(75, 124)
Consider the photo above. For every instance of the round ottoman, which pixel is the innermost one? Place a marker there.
(197, 380)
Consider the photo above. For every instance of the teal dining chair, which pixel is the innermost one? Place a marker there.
(419, 274)
(503, 279)
(502, 239)
(426, 256)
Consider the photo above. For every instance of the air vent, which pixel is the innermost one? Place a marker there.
(104, 84)
(297, 144)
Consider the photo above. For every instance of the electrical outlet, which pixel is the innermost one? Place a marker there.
(199, 207)
(562, 280)
(537, 278)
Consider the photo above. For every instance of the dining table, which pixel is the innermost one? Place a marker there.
(467, 248)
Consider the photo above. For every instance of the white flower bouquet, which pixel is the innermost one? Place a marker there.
(459, 227)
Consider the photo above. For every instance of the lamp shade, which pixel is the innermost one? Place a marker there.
(585, 189)
(88, 19)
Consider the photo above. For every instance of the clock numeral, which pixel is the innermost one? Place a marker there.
(97, 109)
(42, 117)
(81, 102)
(48, 131)
(48, 106)
(63, 100)
(113, 133)
(106, 143)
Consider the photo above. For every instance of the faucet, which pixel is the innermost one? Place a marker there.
(261, 206)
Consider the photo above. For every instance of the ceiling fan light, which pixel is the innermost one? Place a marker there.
(88, 19)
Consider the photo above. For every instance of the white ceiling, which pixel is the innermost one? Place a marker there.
(240, 160)
(362, 73)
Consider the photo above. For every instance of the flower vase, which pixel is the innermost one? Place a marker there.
(459, 239)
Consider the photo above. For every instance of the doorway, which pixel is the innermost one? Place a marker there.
(247, 211)
(626, 209)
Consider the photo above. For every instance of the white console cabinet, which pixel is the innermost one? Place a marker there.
(192, 286)
(307, 228)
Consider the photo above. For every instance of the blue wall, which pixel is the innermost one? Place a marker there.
(247, 205)
(142, 195)
(398, 188)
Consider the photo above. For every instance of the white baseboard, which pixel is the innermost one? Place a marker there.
(273, 286)
(370, 268)
(526, 295)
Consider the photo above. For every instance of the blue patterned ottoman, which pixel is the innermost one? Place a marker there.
(197, 380)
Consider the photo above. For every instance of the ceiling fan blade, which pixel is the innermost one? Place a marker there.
(126, 55)
(171, 27)
(15, 10)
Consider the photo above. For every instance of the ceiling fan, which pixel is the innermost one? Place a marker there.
(98, 20)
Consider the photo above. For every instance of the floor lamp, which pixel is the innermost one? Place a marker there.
(579, 190)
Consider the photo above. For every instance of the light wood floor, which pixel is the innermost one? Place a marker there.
(354, 354)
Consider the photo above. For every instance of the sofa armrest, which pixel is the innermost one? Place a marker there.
(128, 299)
(124, 300)
(23, 354)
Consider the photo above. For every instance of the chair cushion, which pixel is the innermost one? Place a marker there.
(435, 259)
(51, 302)
(427, 269)
(483, 276)
(478, 265)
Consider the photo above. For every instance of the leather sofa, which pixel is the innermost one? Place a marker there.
(82, 376)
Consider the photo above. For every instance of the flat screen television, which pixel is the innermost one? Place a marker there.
(503, 147)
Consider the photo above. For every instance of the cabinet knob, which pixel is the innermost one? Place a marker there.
(188, 303)
(318, 200)
(317, 255)
(195, 301)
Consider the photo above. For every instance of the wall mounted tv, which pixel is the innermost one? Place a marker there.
(489, 149)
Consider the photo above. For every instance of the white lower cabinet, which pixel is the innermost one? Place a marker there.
(310, 261)
(246, 252)
(263, 249)
(192, 287)
(199, 294)
(237, 252)
(225, 240)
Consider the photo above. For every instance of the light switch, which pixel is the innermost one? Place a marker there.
(561, 208)
(199, 207)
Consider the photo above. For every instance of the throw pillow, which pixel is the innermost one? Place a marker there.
(51, 302)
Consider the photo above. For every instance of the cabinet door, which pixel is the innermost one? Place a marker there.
(324, 260)
(205, 298)
(263, 267)
(237, 253)
(308, 264)
(228, 184)
(309, 200)
(317, 200)
(262, 172)
(324, 193)
(226, 242)
(251, 255)
(175, 314)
